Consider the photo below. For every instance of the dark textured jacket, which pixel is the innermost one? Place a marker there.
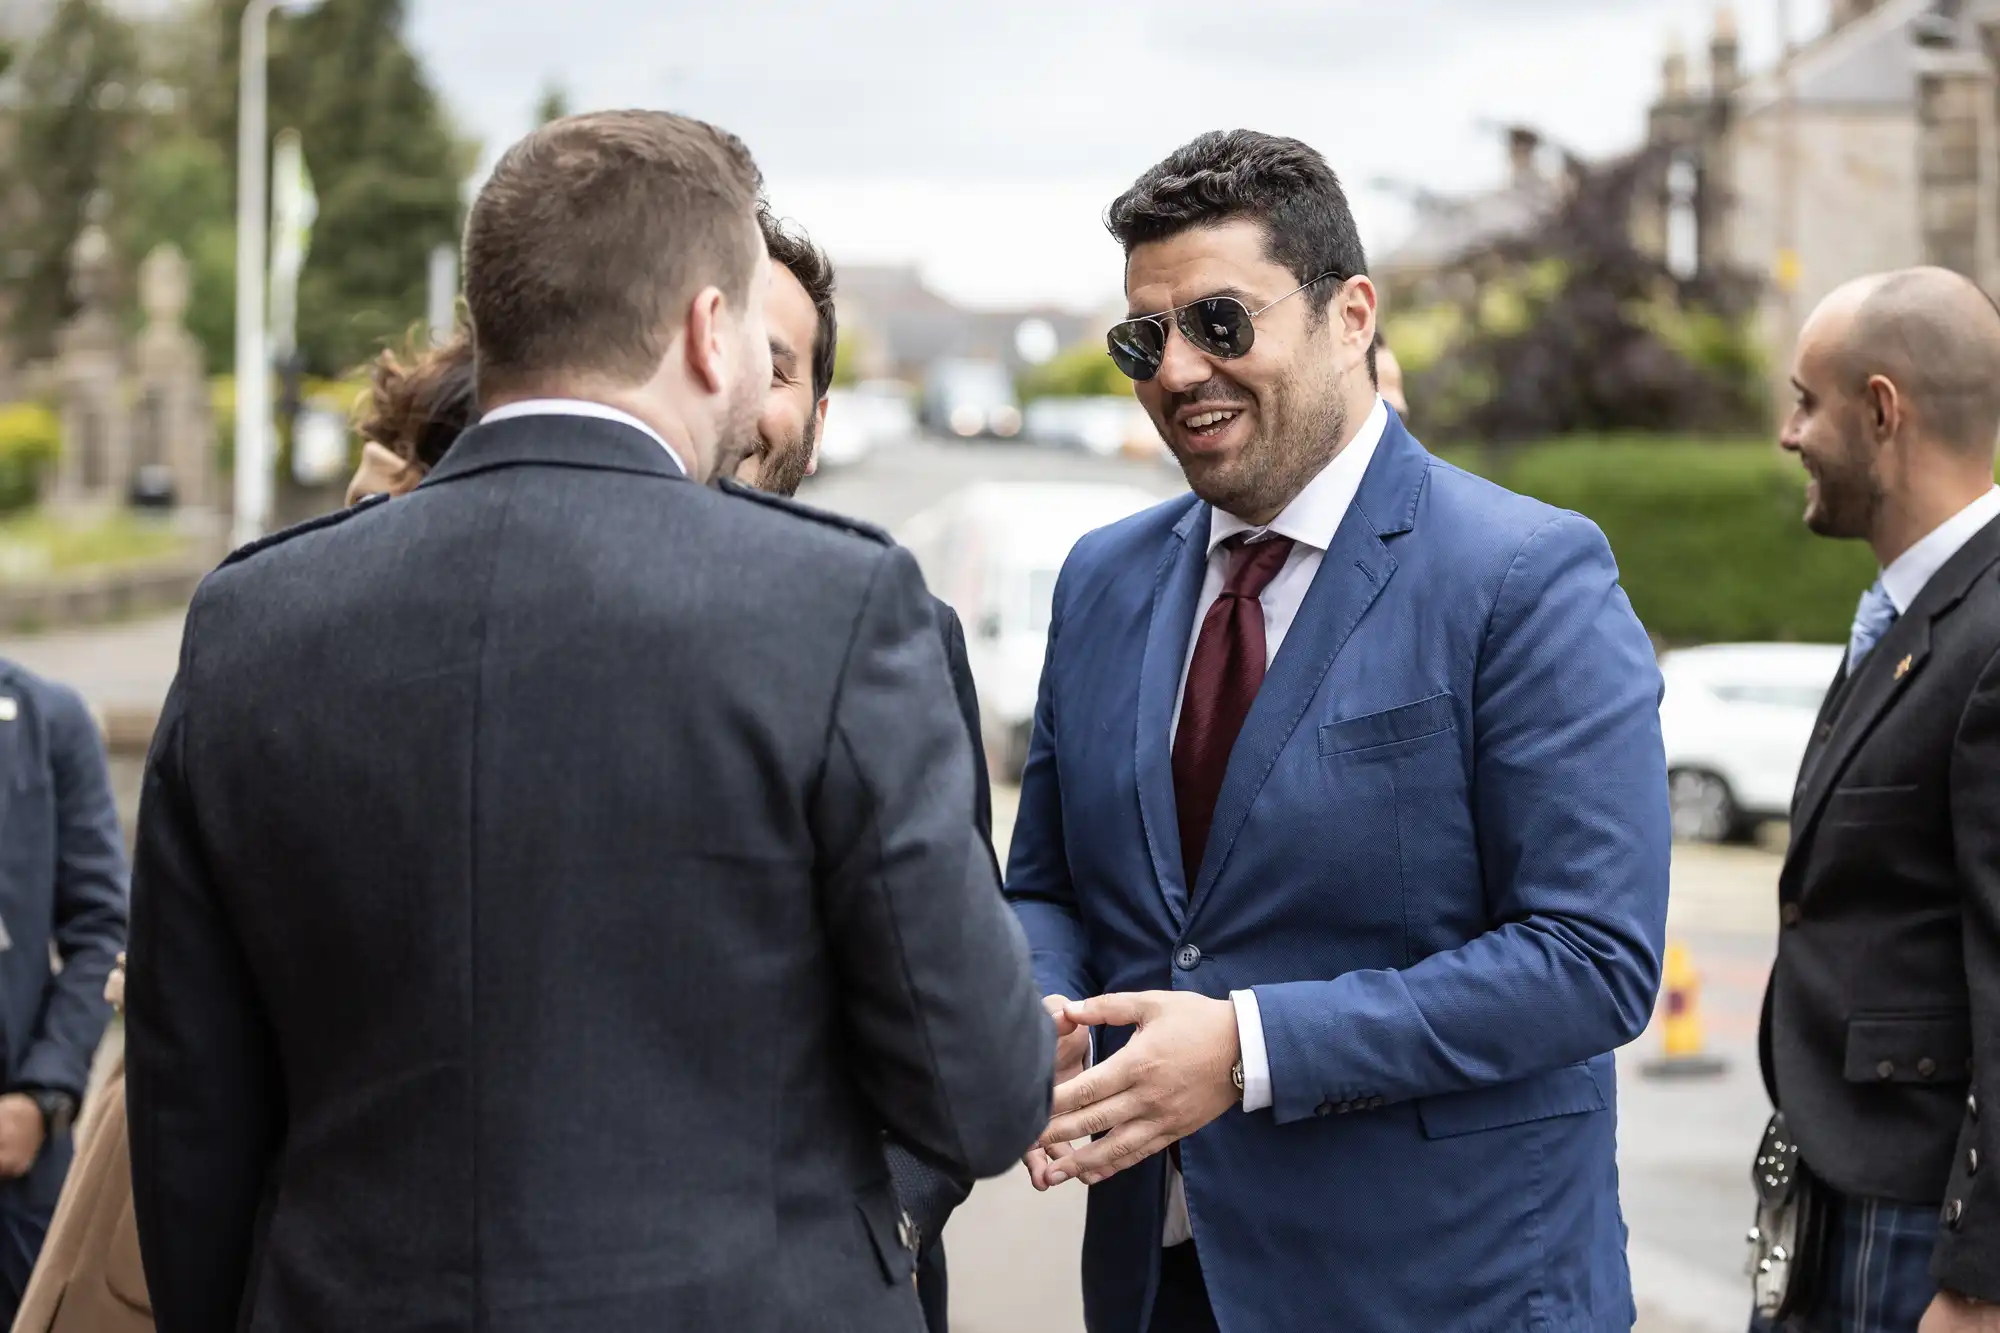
(1881, 1032)
(550, 884)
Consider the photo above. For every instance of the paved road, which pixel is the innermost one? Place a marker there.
(1683, 1146)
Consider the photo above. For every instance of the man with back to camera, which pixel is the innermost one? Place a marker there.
(1880, 1040)
(1344, 825)
(805, 332)
(668, 903)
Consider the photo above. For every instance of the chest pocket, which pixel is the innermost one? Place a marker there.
(1393, 728)
(1412, 758)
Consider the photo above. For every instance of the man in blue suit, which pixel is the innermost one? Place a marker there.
(62, 884)
(1344, 826)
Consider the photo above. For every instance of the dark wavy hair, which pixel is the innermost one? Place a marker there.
(808, 263)
(1282, 184)
(419, 402)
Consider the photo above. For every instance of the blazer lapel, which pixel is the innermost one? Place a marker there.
(1176, 589)
(1884, 674)
(1351, 576)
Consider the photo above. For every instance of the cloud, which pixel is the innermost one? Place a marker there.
(955, 127)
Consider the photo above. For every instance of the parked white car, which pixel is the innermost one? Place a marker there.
(1736, 719)
(993, 551)
(861, 419)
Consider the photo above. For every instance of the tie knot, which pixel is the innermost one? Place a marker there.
(1252, 565)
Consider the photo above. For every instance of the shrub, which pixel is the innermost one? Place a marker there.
(1709, 536)
(30, 441)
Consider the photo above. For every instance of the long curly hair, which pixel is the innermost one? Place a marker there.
(420, 401)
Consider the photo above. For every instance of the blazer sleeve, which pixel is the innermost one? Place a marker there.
(952, 630)
(1569, 805)
(1967, 1256)
(1038, 881)
(90, 900)
(202, 1079)
(950, 1042)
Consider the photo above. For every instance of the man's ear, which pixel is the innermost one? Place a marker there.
(707, 356)
(819, 433)
(1884, 405)
(1355, 306)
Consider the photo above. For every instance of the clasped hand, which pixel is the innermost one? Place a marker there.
(1169, 1080)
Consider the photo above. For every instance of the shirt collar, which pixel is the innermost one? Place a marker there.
(1906, 577)
(577, 407)
(1315, 513)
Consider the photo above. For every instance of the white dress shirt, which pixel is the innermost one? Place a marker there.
(1906, 577)
(1310, 520)
(577, 407)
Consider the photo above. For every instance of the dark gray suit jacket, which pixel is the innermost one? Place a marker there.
(550, 885)
(1881, 1032)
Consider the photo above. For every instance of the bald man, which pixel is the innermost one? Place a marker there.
(1881, 1035)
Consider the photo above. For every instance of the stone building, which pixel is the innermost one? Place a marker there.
(1872, 146)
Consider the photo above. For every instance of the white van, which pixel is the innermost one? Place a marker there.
(992, 551)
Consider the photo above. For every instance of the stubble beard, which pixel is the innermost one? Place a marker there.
(1296, 438)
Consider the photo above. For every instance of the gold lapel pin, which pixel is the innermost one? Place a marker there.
(1903, 668)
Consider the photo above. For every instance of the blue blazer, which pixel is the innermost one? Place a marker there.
(1440, 859)
(62, 883)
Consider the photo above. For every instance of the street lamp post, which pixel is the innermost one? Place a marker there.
(253, 408)
(253, 221)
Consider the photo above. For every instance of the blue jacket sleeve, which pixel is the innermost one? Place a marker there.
(90, 889)
(1570, 806)
(1038, 882)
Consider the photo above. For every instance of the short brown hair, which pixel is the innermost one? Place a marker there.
(419, 402)
(593, 232)
(808, 263)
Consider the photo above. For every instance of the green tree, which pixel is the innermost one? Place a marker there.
(78, 93)
(554, 104)
(1084, 371)
(385, 159)
(179, 191)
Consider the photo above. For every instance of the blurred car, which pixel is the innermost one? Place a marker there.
(862, 418)
(1094, 425)
(971, 398)
(993, 550)
(1736, 719)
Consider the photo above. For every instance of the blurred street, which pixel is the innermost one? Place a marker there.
(1684, 1145)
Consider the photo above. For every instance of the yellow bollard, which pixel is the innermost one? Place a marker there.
(1680, 1024)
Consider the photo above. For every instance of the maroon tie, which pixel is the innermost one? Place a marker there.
(1222, 681)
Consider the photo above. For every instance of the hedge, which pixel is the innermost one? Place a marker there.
(1709, 536)
(30, 441)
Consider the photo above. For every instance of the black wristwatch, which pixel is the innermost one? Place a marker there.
(58, 1111)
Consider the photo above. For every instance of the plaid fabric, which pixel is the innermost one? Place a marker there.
(1878, 1272)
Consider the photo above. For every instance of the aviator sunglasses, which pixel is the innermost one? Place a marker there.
(1219, 326)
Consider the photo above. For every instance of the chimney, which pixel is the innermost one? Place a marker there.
(1725, 66)
(1674, 72)
(1522, 145)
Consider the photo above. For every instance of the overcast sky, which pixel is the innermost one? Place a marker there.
(983, 138)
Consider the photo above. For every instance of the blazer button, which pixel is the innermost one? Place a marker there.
(1886, 1070)
(1377, 1103)
(1188, 958)
(1324, 1108)
(1926, 1067)
(1789, 914)
(1954, 1213)
(1972, 1161)
(1343, 1108)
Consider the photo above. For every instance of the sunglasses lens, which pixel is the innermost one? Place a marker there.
(1219, 326)
(1136, 347)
